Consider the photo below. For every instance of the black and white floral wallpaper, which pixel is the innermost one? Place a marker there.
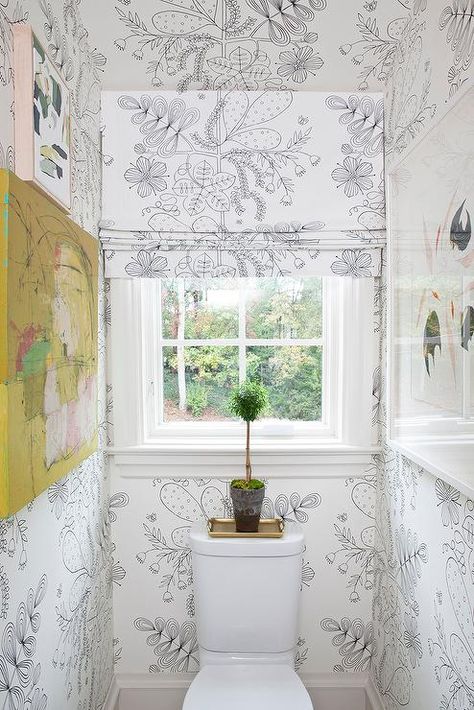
(55, 555)
(396, 538)
(423, 578)
(155, 628)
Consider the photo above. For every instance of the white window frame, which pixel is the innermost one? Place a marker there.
(192, 448)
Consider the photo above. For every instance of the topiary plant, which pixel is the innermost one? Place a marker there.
(248, 401)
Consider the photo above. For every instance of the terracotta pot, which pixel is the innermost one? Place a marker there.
(247, 505)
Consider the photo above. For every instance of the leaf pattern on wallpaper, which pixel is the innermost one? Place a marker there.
(174, 644)
(168, 555)
(453, 645)
(449, 503)
(81, 66)
(11, 13)
(14, 537)
(399, 60)
(355, 556)
(400, 558)
(224, 44)
(457, 22)
(291, 508)
(20, 674)
(76, 503)
(83, 607)
(116, 501)
(455, 652)
(354, 641)
(301, 655)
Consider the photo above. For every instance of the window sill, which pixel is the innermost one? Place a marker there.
(198, 460)
(451, 460)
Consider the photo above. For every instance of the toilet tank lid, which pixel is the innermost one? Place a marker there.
(291, 543)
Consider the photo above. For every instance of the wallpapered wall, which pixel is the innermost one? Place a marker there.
(424, 544)
(55, 577)
(56, 641)
(154, 603)
(391, 42)
(154, 614)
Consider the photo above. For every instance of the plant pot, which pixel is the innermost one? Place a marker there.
(247, 505)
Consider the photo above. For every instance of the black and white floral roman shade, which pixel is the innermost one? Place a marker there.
(229, 184)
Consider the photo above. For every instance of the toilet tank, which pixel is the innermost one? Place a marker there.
(247, 591)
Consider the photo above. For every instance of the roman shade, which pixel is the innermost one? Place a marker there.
(223, 184)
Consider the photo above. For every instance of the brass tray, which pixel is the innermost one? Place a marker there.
(225, 527)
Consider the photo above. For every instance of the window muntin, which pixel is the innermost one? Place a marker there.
(213, 334)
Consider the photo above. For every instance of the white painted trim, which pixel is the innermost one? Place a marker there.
(374, 699)
(334, 680)
(154, 681)
(348, 402)
(273, 462)
(160, 681)
(181, 681)
(111, 701)
(450, 461)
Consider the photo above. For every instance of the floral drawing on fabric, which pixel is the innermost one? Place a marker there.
(363, 119)
(235, 147)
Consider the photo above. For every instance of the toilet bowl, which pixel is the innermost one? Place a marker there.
(247, 600)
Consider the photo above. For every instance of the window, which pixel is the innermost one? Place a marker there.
(180, 345)
(214, 334)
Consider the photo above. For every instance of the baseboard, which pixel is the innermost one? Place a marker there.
(328, 691)
(374, 699)
(112, 699)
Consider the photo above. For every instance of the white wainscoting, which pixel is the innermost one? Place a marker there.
(332, 691)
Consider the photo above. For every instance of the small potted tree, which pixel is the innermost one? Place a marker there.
(247, 401)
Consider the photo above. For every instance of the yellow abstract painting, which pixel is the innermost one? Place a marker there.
(48, 343)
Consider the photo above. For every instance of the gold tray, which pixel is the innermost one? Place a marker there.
(225, 527)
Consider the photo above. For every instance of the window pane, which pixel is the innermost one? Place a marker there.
(197, 382)
(293, 377)
(211, 308)
(284, 308)
(169, 308)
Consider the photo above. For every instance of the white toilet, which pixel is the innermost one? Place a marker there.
(246, 593)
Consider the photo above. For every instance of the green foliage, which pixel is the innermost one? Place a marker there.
(292, 375)
(248, 401)
(242, 484)
(196, 399)
(277, 308)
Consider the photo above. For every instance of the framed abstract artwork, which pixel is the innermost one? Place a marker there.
(431, 211)
(48, 343)
(42, 119)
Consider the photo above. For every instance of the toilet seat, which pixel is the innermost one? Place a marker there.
(255, 687)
